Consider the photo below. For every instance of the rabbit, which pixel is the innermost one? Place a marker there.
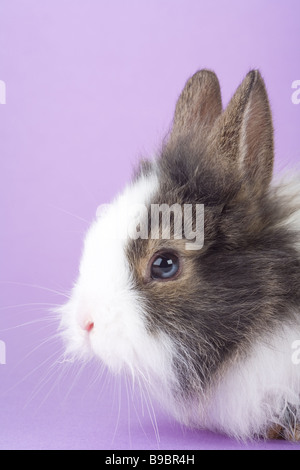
(211, 328)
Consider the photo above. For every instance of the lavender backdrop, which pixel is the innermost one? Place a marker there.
(86, 87)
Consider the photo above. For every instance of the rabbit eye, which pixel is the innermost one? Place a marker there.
(165, 266)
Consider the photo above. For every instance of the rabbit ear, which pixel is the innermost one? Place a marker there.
(198, 105)
(242, 136)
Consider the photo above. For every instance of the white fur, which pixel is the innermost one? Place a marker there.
(104, 294)
(288, 190)
(254, 391)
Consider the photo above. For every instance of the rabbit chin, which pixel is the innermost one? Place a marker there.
(121, 341)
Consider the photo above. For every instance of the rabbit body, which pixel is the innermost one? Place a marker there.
(211, 331)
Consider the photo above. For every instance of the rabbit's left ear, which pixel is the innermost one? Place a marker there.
(242, 136)
(197, 107)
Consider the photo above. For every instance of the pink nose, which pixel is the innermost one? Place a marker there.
(89, 326)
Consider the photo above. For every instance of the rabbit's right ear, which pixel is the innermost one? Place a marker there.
(242, 137)
(198, 106)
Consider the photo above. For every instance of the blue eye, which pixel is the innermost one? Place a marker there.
(165, 266)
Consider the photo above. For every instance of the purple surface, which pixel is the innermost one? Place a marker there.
(91, 86)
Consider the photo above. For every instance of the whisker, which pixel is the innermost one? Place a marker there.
(42, 383)
(29, 374)
(30, 304)
(45, 341)
(31, 322)
(99, 372)
(107, 378)
(141, 395)
(152, 415)
(76, 378)
(137, 413)
(128, 413)
(36, 286)
(119, 411)
(70, 213)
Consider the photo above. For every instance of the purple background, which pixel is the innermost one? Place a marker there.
(91, 86)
